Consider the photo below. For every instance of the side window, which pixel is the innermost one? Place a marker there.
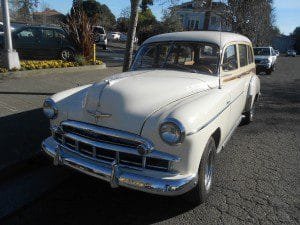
(243, 55)
(230, 58)
(26, 34)
(47, 33)
(59, 34)
(250, 54)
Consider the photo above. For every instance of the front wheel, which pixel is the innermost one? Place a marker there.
(199, 194)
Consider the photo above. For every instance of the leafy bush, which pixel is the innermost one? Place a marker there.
(36, 64)
(80, 59)
(80, 29)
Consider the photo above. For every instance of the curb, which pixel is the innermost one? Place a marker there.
(27, 73)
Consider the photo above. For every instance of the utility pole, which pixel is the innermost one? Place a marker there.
(11, 57)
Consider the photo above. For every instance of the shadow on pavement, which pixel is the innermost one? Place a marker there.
(21, 136)
(25, 93)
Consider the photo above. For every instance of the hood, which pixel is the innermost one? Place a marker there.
(125, 101)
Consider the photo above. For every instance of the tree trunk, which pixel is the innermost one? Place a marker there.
(131, 34)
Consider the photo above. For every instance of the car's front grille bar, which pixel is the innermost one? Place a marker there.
(111, 145)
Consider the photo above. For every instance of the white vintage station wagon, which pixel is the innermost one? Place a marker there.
(158, 127)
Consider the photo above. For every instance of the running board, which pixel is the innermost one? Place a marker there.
(230, 134)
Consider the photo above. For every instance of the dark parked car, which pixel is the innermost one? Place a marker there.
(40, 41)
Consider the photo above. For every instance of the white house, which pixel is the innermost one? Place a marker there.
(192, 15)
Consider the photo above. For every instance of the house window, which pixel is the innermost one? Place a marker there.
(192, 24)
(196, 25)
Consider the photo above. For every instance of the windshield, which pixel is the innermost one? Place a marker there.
(196, 57)
(262, 51)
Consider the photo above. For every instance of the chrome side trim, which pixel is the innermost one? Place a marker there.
(214, 117)
(165, 184)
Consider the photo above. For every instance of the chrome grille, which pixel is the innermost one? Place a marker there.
(110, 145)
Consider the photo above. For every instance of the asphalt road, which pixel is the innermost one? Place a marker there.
(256, 179)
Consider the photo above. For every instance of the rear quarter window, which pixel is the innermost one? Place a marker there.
(243, 55)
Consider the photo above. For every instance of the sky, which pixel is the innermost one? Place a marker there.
(287, 11)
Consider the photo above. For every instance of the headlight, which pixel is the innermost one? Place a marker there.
(172, 132)
(265, 61)
(50, 109)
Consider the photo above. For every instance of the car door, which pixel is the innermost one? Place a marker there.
(26, 42)
(50, 42)
(233, 81)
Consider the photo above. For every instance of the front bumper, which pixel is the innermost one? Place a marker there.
(167, 184)
(264, 66)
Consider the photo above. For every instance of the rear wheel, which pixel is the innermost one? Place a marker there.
(269, 71)
(248, 116)
(200, 193)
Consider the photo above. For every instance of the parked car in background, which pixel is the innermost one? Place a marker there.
(158, 127)
(291, 52)
(265, 59)
(100, 36)
(2, 28)
(114, 36)
(123, 38)
(41, 41)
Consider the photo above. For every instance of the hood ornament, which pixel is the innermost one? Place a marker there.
(98, 115)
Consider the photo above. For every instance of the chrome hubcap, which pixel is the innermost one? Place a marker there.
(65, 54)
(209, 171)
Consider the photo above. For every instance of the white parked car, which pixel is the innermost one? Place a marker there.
(2, 28)
(100, 36)
(114, 36)
(265, 59)
(158, 127)
(123, 38)
(291, 52)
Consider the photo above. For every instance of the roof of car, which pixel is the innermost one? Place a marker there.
(215, 37)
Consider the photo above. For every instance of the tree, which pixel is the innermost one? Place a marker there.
(131, 33)
(296, 35)
(147, 25)
(144, 5)
(99, 12)
(80, 29)
(252, 18)
(22, 9)
(171, 22)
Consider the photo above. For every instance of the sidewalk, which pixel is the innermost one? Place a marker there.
(22, 123)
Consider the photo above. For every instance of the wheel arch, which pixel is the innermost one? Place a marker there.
(217, 137)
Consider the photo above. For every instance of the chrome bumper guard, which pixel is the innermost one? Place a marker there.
(119, 175)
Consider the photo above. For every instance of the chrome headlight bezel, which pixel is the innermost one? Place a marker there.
(50, 108)
(177, 128)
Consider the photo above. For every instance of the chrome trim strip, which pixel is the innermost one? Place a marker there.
(119, 175)
(117, 148)
(214, 117)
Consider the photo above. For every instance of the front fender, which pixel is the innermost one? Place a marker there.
(200, 116)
